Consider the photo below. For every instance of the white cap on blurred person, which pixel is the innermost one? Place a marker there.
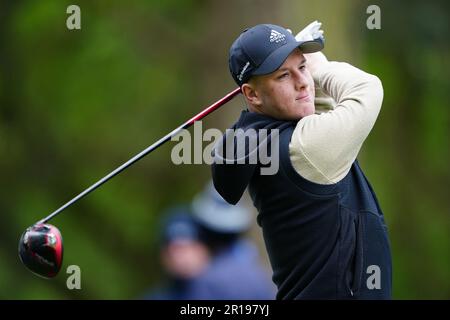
(214, 213)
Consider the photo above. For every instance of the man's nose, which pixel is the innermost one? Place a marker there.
(301, 81)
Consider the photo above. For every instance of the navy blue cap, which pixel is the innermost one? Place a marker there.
(262, 49)
(179, 225)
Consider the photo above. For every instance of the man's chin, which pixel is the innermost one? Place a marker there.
(306, 111)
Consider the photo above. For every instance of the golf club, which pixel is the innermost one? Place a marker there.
(40, 246)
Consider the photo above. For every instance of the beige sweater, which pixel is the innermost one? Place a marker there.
(324, 145)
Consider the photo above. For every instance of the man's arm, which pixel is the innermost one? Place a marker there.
(324, 146)
(323, 102)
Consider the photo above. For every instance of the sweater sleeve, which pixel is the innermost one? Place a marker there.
(324, 145)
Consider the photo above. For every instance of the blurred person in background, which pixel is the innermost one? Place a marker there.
(183, 257)
(206, 255)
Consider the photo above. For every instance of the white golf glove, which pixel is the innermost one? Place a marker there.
(310, 32)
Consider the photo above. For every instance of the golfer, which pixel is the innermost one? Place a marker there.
(323, 227)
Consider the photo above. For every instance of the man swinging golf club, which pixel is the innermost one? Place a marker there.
(323, 227)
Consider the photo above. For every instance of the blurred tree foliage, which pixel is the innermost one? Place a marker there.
(74, 105)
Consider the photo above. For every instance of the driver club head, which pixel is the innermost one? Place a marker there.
(41, 250)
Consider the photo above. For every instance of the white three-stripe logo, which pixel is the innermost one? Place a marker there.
(275, 36)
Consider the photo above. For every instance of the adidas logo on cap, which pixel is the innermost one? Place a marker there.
(275, 36)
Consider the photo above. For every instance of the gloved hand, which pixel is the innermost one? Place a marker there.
(310, 32)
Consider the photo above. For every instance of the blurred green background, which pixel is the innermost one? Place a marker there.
(75, 104)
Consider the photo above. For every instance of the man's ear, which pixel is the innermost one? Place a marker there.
(251, 94)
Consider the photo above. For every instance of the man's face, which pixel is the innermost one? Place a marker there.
(287, 93)
(185, 259)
